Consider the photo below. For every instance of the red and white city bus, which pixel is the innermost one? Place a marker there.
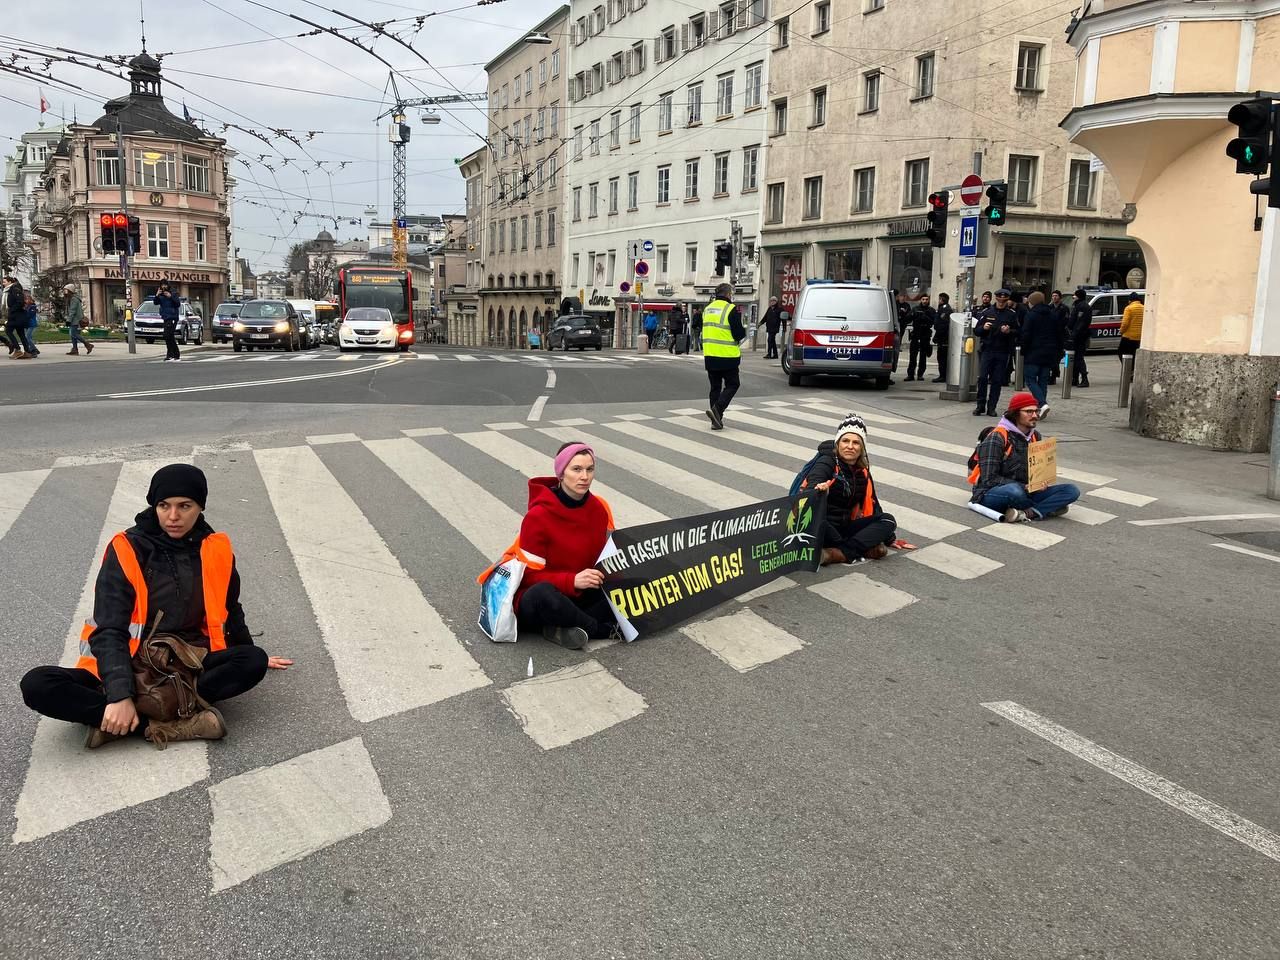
(380, 287)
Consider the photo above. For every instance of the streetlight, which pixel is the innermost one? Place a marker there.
(541, 38)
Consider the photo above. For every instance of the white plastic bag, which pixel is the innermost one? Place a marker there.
(498, 586)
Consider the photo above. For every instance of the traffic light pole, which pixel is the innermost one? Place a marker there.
(124, 257)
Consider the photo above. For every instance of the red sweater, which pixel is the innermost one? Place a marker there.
(569, 539)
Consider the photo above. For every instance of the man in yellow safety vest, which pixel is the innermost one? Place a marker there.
(722, 331)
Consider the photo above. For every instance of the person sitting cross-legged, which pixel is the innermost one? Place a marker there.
(855, 528)
(1000, 477)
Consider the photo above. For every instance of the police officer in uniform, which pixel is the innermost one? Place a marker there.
(722, 331)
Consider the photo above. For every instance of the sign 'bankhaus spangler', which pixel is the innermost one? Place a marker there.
(662, 574)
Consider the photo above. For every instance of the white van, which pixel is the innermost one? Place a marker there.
(307, 329)
(843, 330)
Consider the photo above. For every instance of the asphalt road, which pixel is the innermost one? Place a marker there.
(867, 791)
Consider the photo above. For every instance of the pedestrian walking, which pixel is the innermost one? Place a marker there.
(1063, 315)
(73, 310)
(1000, 476)
(1078, 331)
(923, 320)
(1042, 345)
(170, 311)
(1131, 326)
(942, 335)
(33, 321)
(722, 332)
(856, 528)
(997, 330)
(651, 327)
(677, 321)
(695, 327)
(15, 318)
(772, 324)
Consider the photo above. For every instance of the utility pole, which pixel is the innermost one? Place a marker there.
(124, 257)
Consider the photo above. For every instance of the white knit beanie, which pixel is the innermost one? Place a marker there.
(852, 424)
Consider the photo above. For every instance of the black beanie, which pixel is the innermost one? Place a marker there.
(178, 480)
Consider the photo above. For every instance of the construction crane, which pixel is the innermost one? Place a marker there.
(399, 137)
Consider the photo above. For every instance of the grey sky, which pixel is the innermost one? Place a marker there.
(328, 86)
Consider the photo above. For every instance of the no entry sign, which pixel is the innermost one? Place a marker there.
(971, 190)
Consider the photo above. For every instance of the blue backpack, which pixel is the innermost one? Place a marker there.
(798, 483)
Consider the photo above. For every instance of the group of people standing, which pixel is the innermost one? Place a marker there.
(22, 316)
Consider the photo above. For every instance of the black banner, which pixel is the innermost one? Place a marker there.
(661, 574)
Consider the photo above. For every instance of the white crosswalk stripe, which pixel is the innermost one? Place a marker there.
(19, 489)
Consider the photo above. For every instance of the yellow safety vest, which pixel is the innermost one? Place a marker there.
(717, 337)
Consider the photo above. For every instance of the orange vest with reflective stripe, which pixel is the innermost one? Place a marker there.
(868, 506)
(216, 558)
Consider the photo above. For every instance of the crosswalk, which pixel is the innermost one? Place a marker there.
(373, 545)
(531, 358)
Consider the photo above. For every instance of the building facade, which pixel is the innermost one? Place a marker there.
(522, 231)
(175, 179)
(1154, 82)
(873, 105)
(666, 138)
(461, 301)
(23, 188)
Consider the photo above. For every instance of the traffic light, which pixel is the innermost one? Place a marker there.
(135, 234)
(724, 258)
(1251, 150)
(938, 208)
(107, 223)
(997, 201)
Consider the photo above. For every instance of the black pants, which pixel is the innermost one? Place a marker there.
(75, 695)
(854, 538)
(1079, 366)
(724, 384)
(13, 330)
(542, 605)
(943, 354)
(918, 361)
(773, 345)
(991, 374)
(171, 351)
(1127, 347)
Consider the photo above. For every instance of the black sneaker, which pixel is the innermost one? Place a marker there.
(716, 418)
(571, 638)
(939, 379)
(979, 412)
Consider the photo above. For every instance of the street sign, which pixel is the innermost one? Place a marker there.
(967, 262)
(646, 246)
(624, 286)
(401, 222)
(968, 236)
(971, 190)
(633, 249)
(1095, 165)
(642, 268)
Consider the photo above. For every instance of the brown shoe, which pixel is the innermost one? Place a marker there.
(205, 725)
(831, 555)
(88, 347)
(97, 737)
(878, 552)
(73, 353)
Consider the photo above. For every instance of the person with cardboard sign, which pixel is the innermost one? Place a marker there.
(1014, 470)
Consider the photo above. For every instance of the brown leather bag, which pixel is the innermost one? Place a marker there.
(165, 670)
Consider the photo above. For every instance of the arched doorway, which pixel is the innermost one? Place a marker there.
(521, 338)
(501, 333)
(492, 328)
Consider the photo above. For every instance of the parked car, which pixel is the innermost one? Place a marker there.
(224, 318)
(368, 328)
(842, 329)
(148, 325)
(1108, 310)
(265, 324)
(574, 330)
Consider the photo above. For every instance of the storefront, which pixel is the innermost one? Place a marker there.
(844, 264)
(910, 257)
(204, 289)
(1122, 266)
(788, 279)
(1029, 267)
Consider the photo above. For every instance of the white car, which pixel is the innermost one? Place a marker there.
(368, 328)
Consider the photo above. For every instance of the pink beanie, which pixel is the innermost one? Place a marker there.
(568, 453)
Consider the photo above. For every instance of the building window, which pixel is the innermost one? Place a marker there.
(515, 85)
(779, 117)
(537, 230)
(576, 270)
(755, 83)
(615, 130)
(844, 264)
(636, 65)
(924, 76)
(617, 68)
(155, 169)
(1080, 186)
(202, 244)
(721, 179)
(555, 120)
(528, 80)
(664, 262)
(613, 196)
(696, 31)
(821, 17)
(513, 242)
(691, 179)
(613, 267)
(874, 5)
(664, 184)
(915, 183)
(540, 129)
(694, 92)
(524, 232)
(107, 163)
(691, 261)
(577, 203)
(577, 144)
(864, 190)
(551, 232)
(597, 78)
(593, 199)
(1028, 77)
(552, 166)
(542, 72)
(664, 113)
(555, 63)
(782, 33)
(1022, 179)
(870, 92)
(724, 95)
(158, 241)
(633, 190)
(595, 138)
(812, 198)
(819, 106)
(775, 200)
(493, 238)
(666, 45)
(633, 125)
(750, 169)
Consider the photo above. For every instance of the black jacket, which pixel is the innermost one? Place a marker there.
(773, 319)
(1042, 336)
(169, 309)
(850, 487)
(923, 320)
(993, 340)
(173, 574)
(1078, 326)
(942, 326)
(15, 304)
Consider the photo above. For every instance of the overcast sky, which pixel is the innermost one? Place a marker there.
(324, 84)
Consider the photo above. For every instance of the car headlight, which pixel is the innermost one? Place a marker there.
(238, 327)
(282, 326)
(344, 331)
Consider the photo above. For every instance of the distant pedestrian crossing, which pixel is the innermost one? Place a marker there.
(382, 538)
(531, 358)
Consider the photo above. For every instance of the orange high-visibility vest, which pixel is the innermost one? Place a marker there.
(868, 501)
(216, 558)
(531, 560)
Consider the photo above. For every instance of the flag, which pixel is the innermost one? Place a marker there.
(186, 114)
(44, 104)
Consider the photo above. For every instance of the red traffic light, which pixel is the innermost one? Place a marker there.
(107, 221)
(120, 221)
(939, 201)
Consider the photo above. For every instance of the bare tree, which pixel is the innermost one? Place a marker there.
(317, 282)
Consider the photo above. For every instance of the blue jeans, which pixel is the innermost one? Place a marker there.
(1044, 502)
(76, 337)
(1037, 378)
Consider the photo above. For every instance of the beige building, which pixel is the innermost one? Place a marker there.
(875, 104)
(176, 181)
(520, 284)
(466, 323)
(1153, 85)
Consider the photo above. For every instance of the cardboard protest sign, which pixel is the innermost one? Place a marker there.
(1042, 464)
(661, 574)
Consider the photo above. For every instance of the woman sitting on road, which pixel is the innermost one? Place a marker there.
(856, 528)
(567, 526)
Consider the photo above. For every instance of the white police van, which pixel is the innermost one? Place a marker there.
(842, 329)
(1108, 310)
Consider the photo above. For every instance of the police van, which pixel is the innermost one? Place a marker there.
(1108, 310)
(845, 329)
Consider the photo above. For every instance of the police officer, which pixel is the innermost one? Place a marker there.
(923, 320)
(997, 329)
(722, 331)
(942, 335)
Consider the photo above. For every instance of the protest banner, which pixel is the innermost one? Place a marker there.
(1042, 464)
(661, 574)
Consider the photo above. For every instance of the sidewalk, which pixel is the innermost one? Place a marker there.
(103, 350)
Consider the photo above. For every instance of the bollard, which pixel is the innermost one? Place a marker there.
(1068, 374)
(1273, 483)
(1019, 381)
(642, 343)
(1126, 380)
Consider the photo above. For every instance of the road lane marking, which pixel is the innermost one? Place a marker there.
(551, 380)
(574, 422)
(859, 594)
(390, 648)
(1166, 791)
(744, 640)
(1205, 519)
(840, 410)
(1249, 553)
(326, 439)
(773, 586)
(245, 383)
(1087, 515)
(125, 773)
(465, 358)
(535, 412)
(19, 488)
(213, 449)
(687, 412)
(425, 432)
(954, 562)
(1023, 534)
(634, 417)
(1122, 496)
(285, 812)
(506, 425)
(565, 705)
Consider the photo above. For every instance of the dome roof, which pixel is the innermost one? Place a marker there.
(144, 61)
(324, 236)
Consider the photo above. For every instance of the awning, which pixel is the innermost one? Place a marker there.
(1031, 235)
(653, 307)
